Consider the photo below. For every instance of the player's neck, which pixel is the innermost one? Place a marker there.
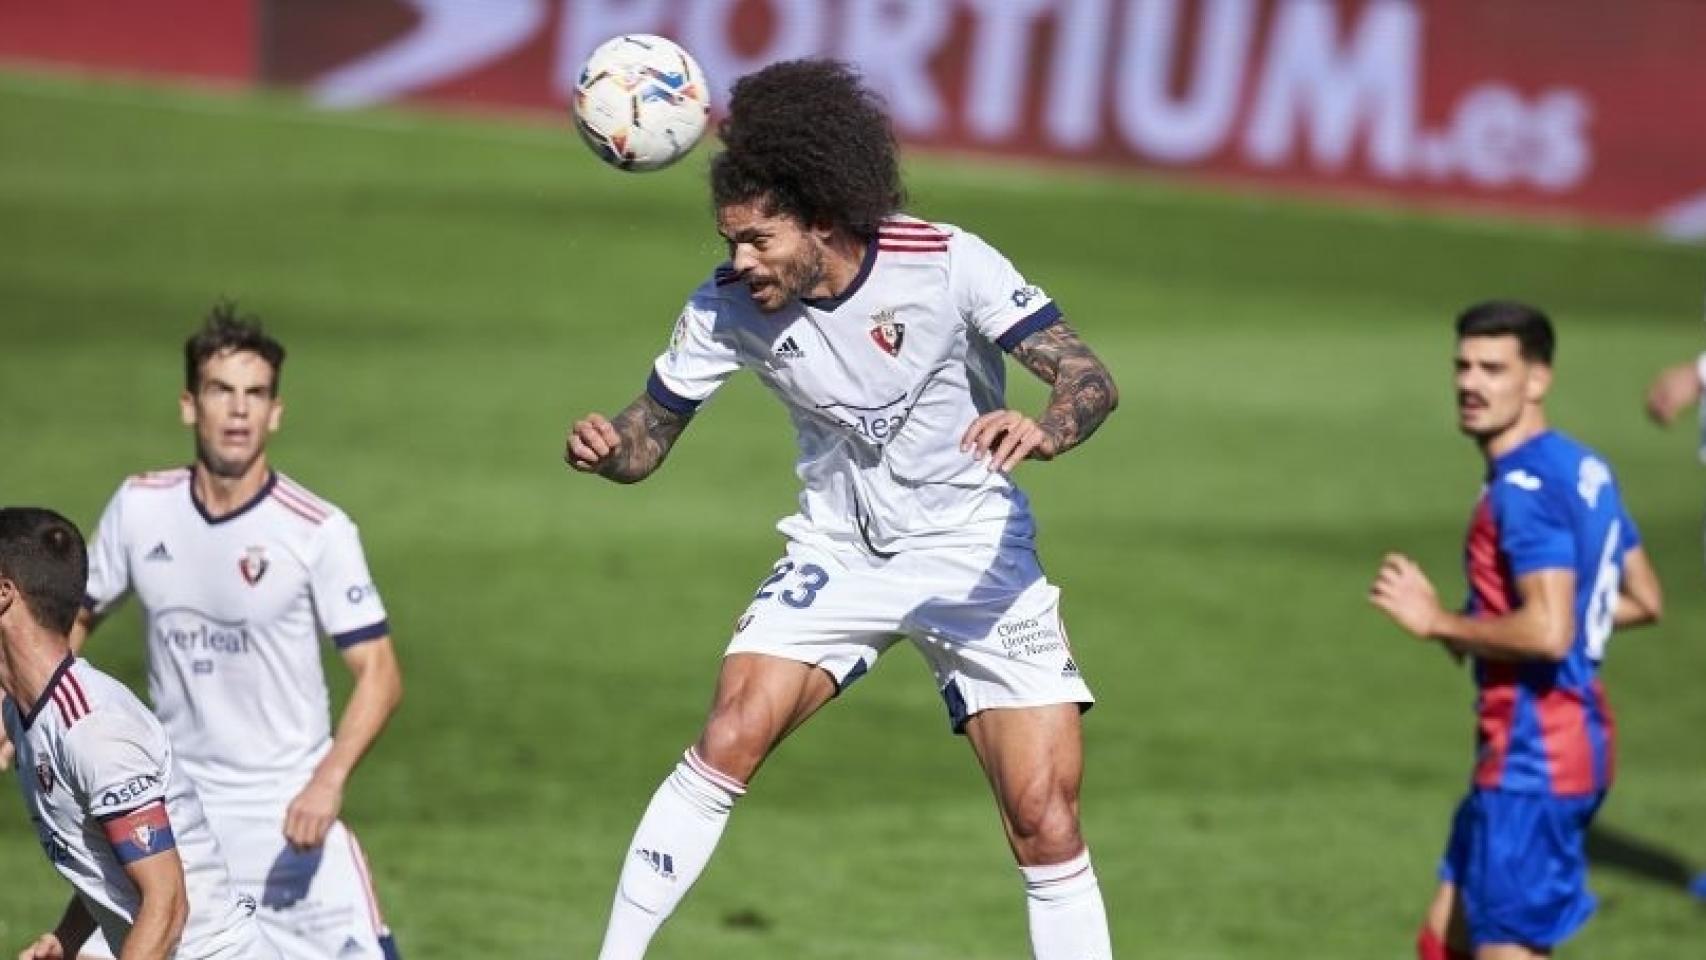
(29, 655)
(843, 260)
(221, 496)
(1531, 424)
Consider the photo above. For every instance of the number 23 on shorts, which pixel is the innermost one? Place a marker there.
(808, 580)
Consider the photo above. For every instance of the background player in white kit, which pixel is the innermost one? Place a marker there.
(114, 812)
(236, 565)
(882, 335)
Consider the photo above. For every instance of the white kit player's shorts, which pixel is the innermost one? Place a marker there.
(987, 621)
(245, 941)
(312, 905)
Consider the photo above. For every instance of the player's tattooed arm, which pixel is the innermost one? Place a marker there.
(1083, 390)
(628, 447)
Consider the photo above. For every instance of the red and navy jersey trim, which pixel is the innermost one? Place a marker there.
(158, 479)
(291, 496)
(65, 693)
(911, 236)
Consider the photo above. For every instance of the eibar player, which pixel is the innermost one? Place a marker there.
(1554, 563)
(883, 336)
(113, 810)
(240, 570)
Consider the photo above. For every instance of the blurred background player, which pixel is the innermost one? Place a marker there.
(1674, 389)
(883, 336)
(115, 814)
(1554, 562)
(235, 565)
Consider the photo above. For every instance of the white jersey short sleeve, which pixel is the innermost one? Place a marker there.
(346, 603)
(109, 567)
(700, 357)
(993, 296)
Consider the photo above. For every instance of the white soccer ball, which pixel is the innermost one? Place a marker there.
(641, 102)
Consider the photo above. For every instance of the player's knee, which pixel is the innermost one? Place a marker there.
(1044, 825)
(734, 741)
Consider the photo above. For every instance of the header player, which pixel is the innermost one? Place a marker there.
(236, 565)
(883, 336)
(1554, 563)
(115, 814)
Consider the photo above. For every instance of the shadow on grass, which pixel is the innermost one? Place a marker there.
(1611, 847)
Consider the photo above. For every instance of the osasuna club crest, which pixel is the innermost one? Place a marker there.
(887, 331)
(253, 566)
(44, 775)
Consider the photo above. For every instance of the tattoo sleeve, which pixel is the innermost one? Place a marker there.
(1083, 391)
(647, 431)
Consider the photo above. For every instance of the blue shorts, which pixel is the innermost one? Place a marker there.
(1519, 862)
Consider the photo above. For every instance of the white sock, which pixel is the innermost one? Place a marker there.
(1066, 914)
(670, 848)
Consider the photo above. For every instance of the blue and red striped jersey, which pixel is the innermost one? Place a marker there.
(1551, 503)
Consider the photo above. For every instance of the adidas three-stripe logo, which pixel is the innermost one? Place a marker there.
(662, 863)
(159, 552)
(789, 350)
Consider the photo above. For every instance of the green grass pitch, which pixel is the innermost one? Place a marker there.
(1272, 766)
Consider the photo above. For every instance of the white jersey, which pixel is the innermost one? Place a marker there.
(881, 382)
(234, 608)
(102, 788)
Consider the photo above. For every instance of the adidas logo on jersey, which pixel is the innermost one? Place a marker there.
(159, 553)
(661, 863)
(1070, 671)
(351, 948)
(789, 350)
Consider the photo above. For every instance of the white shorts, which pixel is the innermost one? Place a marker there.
(314, 904)
(242, 940)
(986, 620)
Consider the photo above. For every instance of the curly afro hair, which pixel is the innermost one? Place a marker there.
(815, 141)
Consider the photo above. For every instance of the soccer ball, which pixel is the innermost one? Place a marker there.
(641, 102)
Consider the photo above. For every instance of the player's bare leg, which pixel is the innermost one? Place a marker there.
(1445, 933)
(1034, 758)
(759, 700)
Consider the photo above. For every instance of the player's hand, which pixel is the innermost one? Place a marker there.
(591, 442)
(1675, 389)
(1405, 593)
(312, 814)
(46, 947)
(1002, 438)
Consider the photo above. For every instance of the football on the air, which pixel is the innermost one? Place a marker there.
(641, 102)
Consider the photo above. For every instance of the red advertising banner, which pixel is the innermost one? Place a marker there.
(1567, 107)
(204, 39)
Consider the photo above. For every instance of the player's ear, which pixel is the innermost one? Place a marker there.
(1539, 381)
(8, 593)
(275, 415)
(186, 408)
